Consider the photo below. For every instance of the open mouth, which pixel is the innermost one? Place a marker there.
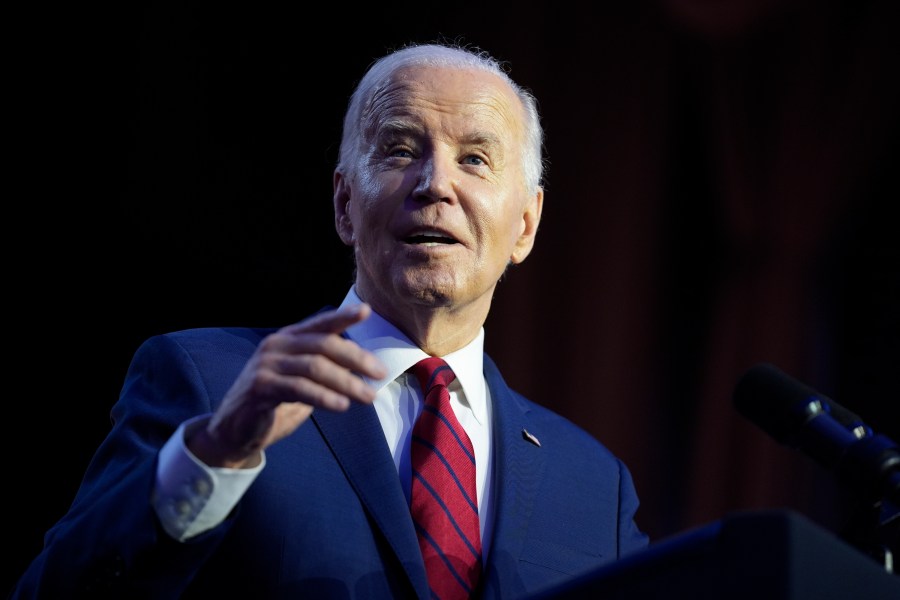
(430, 239)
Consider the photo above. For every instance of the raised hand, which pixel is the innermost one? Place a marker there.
(300, 367)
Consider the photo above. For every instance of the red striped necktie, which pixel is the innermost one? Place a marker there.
(444, 502)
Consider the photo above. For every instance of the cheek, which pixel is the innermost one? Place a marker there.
(367, 188)
(506, 227)
(495, 241)
(374, 189)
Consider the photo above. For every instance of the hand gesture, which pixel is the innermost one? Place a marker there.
(300, 367)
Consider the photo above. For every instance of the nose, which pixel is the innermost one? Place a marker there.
(435, 179)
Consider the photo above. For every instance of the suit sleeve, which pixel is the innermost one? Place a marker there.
(110, 542)
(631, 538)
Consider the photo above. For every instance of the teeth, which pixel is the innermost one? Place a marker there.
(426, 237)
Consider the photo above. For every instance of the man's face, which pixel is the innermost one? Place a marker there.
(438, 206)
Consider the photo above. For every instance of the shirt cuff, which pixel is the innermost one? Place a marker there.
(190, 497)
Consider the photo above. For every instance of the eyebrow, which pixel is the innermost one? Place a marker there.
(394, 126)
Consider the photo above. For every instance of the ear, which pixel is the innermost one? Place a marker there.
(531, 218)
(342, 221)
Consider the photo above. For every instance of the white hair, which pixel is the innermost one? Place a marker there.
(444, 55)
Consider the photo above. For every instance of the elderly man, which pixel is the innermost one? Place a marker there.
(372, 450)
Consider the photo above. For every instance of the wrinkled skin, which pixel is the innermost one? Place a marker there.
(436, 208)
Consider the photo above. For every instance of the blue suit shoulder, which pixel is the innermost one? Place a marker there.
(568, 436)
(222, 336)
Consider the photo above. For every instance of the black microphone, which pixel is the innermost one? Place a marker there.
(798, 416)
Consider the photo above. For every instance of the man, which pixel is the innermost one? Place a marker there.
(282, 463)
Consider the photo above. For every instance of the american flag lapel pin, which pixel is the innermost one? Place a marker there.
(528, 436)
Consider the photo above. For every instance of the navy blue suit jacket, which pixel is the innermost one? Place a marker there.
(327, 516)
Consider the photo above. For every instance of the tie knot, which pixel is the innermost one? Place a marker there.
(433, 371)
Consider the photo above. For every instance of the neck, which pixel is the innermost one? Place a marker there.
(440, 334)
(438, 331)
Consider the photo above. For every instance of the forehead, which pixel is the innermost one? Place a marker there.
(446, 97)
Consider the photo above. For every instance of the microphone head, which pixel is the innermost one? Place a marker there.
(776, 402)
(796, 415)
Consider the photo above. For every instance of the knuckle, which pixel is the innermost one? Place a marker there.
(269, 343)
(317, 366)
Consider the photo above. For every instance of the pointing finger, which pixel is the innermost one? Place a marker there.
(332, 321)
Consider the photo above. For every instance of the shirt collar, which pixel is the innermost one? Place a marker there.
(398, 353)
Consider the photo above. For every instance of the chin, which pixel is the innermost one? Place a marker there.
(428, 289)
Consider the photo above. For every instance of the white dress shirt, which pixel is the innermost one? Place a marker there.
(191, 497)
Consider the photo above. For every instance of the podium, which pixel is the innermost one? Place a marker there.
(759, 555)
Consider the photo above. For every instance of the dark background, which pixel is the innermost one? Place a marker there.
(721, 192)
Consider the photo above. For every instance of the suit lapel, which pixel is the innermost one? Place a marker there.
(358, 443)
(518, 469)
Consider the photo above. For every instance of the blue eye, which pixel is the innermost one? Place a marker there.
(401, 153)
(472, 159)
